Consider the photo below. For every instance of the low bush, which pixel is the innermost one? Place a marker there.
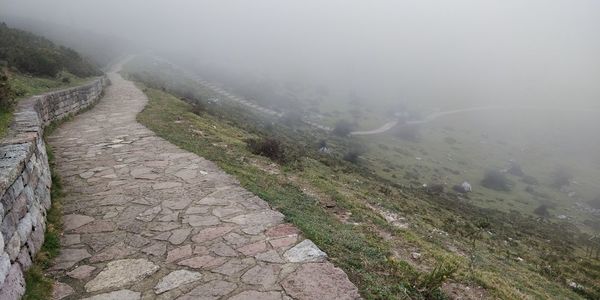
(496, 180)
(343, 128)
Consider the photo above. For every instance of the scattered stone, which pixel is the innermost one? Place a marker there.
(179, 253)
(415, 255)
(120, 273)
(117, 295)
(82, 272)
(175, 279)
(61, 290)
(73, 221)
(305, 251)
(319, 281)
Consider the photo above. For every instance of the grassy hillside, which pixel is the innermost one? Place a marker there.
(30, 65)
(395, 241)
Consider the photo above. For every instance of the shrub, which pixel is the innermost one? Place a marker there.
(496, 180)
(268, 147)
(6, 93)
(198, 108)
(542, 211)
(343, 128)
(353, 154)
(530, 180)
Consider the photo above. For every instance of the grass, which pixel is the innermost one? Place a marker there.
(37, 284)
(27, 86)
(357, 249)
(339, 206)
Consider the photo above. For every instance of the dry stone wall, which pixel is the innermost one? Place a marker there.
(25, 179)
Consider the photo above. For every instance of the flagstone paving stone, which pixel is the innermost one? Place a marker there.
(145, 219)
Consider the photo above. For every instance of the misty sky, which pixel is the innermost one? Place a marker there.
(521, 51)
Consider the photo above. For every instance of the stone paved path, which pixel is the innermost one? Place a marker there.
(147, 220)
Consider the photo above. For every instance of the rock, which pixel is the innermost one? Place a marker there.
(270, 256)
(13, 247)
(116, 251)
(75, 221)
(166, 185)
(415, 255)
(68, 258)
(305, 251)
(117, 295)
(149, 214)
(234, 266)
(319, 281)
(4, 266)
(256, 295)
(211, 233)
(176, 279)
(179, 253)
(225, 211)
(96, 227)
(14, 284)
(70, 239)
(283, 242)
(255, 223)
(82, 272)
(282, 230)
(120, 273)
(252, 249)
(179, 235)
(211, 290)
(157, 249)
(262, 275)
(196, 221)
(61, 290)
(222, 249)
(205, 261)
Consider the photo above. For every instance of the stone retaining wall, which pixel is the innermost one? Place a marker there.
(25, 179)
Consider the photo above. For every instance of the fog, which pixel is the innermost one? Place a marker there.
(442, 54)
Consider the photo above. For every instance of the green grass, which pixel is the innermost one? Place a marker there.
(26, 86)
(357, 249)
(5, 120)
(376, 255)
(38, 285)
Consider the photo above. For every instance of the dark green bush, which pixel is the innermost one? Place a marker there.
(38, 56)
(496, 180)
